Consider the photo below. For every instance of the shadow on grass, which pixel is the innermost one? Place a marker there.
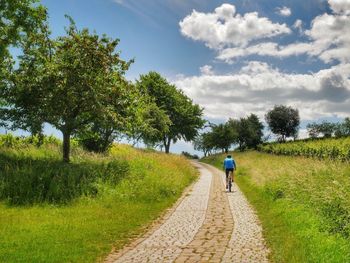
(25, 180)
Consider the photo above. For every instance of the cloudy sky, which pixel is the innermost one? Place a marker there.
(232, 57)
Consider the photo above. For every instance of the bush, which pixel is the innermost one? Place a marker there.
(190, 156)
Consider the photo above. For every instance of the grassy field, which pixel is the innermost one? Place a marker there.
(303, 204)
(38, 225)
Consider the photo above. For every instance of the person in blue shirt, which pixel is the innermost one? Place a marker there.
(229, 166)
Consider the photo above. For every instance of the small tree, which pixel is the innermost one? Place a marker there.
(283, 121)
(223, 136)
(343, 128)
(204, 143)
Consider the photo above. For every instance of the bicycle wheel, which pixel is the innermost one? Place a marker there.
(230, 182)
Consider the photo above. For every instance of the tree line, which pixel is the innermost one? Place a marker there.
(76, 83)
(247, 133)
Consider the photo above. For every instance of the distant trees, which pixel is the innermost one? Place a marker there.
(185, 116)
(329, 129)
(246, 133)
(283, 121)
(249, 131)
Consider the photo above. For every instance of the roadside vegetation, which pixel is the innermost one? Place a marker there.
(303, 204)
(322, 148)
(51, 211)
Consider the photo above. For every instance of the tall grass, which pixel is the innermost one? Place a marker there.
(55, 212)
(304, 204)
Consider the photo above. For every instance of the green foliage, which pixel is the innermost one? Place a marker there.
(303, 204)
(337, 218)
(204, 142)
(249, 131)
(283, 121)
(185, 117)
(246, 132)
(223, 136)
(73, 81)
(25, 180)
(335, 149)
(19, 18)
(325, 128)
(189, 156)
(86, 229)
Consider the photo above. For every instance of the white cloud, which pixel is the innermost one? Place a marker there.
(284, 11)
(257, 87)
(231, 34)
(206, 70)
(298, 24)
(340, 6)
(225, 28)
(329, 41)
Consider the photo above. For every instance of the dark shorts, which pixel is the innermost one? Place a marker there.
(228, 170)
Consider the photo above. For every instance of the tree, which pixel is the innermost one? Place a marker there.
(80, 82)
(22, 82)
(283, 121)
(204, 142)
(18, 18)
(21, 21)
(342, 129)
(185, 116)
(99, 135)
(223, 136)
(249, 131)
(325, 128)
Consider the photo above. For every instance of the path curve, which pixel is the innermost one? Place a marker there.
(208, 225)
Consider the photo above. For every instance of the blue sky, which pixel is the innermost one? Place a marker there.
(231, 57)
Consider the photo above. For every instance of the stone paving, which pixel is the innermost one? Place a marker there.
(208, 225)
(210, 242)
(247, 244)
(167, 242)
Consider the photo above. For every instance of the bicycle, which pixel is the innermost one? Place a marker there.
(229, 181)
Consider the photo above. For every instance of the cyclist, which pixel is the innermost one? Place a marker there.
(229, 166)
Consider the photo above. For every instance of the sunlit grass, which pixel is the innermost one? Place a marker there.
(86, 228)
(303, 204)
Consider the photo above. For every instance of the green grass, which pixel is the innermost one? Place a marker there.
(303, 204)
(86, 228)
(321, 148)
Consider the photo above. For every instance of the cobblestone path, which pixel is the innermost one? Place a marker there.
(210, 242)
(208, 225)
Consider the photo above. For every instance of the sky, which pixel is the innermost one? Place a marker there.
(233, 58)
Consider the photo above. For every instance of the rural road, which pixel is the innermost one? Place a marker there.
(206, 225)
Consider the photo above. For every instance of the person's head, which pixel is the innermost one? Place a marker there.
(229, 156)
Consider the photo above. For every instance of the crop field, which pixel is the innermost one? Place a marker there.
(51, 211)
(335, 149)
(302, 203)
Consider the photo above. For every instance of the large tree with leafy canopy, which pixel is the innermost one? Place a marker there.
(185, 116)
(283, 121)
(80, 80)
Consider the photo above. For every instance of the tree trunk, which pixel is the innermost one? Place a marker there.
(66, 146)
(167, 144)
